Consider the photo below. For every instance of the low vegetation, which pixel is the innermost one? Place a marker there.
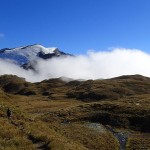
(53, 114)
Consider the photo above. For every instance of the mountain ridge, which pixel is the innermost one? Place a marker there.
(25, 55)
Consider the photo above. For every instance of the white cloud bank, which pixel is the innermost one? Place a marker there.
(94, 65)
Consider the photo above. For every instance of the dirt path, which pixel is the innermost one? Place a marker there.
(38, 145)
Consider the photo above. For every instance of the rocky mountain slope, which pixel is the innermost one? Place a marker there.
(26, 56)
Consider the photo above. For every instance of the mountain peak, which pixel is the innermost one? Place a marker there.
(26, 54)
(40, 48)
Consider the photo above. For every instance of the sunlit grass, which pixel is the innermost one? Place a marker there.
(40, 118)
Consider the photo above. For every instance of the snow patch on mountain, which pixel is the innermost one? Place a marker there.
(26, 54)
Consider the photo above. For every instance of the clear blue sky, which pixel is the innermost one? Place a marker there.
(76, 25)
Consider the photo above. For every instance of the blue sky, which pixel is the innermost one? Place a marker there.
(76, 26)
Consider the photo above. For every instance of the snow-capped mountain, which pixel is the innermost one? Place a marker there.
(25, 55)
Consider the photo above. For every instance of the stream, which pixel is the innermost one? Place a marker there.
(120, 136)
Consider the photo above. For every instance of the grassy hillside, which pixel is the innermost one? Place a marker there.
(57, 115)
